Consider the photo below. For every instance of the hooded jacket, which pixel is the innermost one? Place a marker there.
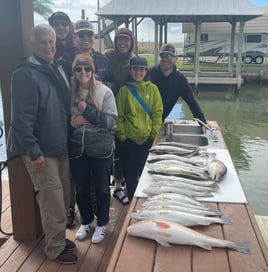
(133, 122)
(40, 103)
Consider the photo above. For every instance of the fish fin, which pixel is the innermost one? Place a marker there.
(205, 246)
(242, 246)
(162, 242)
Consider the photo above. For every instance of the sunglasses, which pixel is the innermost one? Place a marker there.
(83, 34)
(57, 24)
(80, 68)
(166, 56)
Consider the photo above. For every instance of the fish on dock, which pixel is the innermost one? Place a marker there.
(166, 233)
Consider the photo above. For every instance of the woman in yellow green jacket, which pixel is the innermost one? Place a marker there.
(140, 110)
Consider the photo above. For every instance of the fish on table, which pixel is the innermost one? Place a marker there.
(155, 189)
(183, 218)
(192, 210)
(205, 183)
(168, 149)
(176, 197)
(166, 202)
(216, 168)
(180, 171)
(166, 233)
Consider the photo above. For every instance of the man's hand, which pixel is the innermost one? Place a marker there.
(39, 163)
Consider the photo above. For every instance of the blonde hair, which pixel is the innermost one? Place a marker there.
(91, 97)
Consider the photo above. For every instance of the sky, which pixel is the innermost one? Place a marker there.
(145, 29)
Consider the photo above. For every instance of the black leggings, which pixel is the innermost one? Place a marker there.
(92, 174)
(133, 157)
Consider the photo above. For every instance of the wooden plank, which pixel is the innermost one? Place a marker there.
(214, 80)
(204, 260)
(263, 225)
(242, 229)
(14, 261)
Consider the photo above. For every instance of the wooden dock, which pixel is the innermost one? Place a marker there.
(120, 252)
(222, 78)
(28, 256)
(150, 256)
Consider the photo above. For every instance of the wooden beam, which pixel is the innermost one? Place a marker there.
(16, 21)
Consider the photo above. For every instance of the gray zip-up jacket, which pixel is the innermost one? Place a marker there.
(40, 105)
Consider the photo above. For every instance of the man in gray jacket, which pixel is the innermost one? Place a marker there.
(40, 99)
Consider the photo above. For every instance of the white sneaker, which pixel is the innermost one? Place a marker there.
(98, 234)
(82, 233)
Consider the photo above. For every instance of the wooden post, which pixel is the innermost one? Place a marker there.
(16, 21)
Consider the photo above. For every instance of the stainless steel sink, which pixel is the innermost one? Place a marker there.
(197, 140)
(190, 133)
(170, 128)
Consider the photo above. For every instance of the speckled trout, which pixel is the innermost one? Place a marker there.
(166, 233)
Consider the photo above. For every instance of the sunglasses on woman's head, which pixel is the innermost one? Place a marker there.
(79, 69)
(83, 34)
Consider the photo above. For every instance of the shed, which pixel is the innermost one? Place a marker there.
(195, 11)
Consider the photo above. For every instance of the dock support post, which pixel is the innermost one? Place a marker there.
(14, 47)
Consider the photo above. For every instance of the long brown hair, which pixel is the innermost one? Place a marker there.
(91, 97)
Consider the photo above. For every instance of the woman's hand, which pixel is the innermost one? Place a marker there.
(81, 106)
(78, 120)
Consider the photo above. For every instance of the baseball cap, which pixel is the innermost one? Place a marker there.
(138, 61)
(83, 25)
(168, 49)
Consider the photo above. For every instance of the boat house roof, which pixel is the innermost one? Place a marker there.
(182, 10)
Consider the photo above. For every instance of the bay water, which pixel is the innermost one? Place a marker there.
(243, 118)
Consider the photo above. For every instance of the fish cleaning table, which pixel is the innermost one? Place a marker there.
(134, 254)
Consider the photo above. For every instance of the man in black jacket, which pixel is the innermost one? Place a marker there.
(39, 132)
(172, 84)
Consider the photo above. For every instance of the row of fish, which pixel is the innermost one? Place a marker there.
(170, 159)
(171, 207)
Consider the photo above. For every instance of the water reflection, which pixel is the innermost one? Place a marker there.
(243, 118)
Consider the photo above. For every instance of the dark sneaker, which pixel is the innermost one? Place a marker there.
(71, 218)
(69, 245)
(66, 257)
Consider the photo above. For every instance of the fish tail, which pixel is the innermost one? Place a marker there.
(226, 221)
(242, 246)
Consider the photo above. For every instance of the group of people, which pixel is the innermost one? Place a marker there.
(79, 116)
